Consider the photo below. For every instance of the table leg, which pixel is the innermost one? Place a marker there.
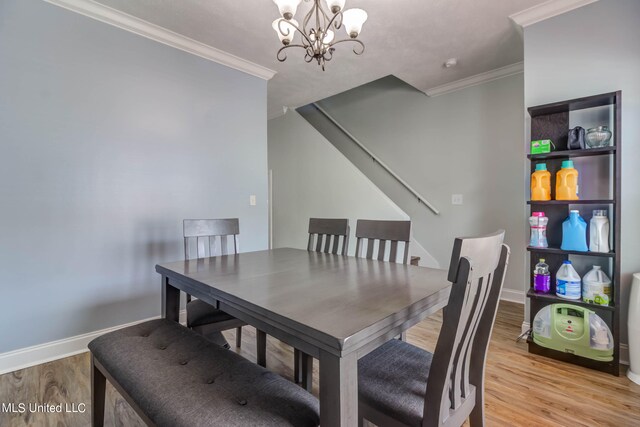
(338, 390)
(170, 301)
(306, 374)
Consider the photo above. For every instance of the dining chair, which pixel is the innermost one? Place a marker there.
(402, 385)
(391, 233)
(383, 232)
(202, 237)
(327, 235)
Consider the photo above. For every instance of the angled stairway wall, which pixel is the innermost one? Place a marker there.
(311, 178)
(467, 142)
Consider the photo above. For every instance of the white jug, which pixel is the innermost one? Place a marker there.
(599, 231)
(596, 287)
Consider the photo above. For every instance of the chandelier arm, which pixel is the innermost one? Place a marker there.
(283, 57)
(351, 40)
(294, 26)
(338, 23)
(328, 55)
(306, 19)
(308, 58)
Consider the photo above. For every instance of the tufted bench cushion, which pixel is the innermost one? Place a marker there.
(178, 378)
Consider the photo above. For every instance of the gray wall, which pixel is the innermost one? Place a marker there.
(311, 178)
(466, 142)
(107, 141)
(591, 50)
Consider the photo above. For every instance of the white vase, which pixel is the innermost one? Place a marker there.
(633, 323)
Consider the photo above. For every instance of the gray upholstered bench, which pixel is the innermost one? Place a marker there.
(174, 377)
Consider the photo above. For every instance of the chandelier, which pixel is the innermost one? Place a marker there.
(316, 33)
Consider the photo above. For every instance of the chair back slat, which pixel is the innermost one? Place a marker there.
(323, 231)
(468, 319)
(385, 234)
(370, 245)
(381, 249)
(224, 249)
(207, 235)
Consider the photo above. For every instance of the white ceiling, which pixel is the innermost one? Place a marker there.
(410, 39)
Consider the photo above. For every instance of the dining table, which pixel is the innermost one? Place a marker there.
(335, 308)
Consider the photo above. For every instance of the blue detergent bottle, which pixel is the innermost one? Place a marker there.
(574, 233)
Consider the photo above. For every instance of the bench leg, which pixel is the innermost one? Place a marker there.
(261, 348)
(238, 336)
(98, 388)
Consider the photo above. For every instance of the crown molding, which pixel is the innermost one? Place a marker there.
(488, 76)
(162, 35)
(546, 10)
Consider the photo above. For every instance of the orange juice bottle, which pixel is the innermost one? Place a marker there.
(567, 182)
(541, 183)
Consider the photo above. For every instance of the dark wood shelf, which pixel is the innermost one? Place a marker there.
(608, 367)
(574, 104)
(572, 202)
(557, 300)
(554, 121)
(561, 252)
(566, 154)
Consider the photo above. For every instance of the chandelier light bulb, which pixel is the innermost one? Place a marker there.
(287, 8)
(282, 26)
(353, 19)
(335, 6)
(328, 37)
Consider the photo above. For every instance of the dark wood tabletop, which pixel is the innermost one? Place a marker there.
(333, 307)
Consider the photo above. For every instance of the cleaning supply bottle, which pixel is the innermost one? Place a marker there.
(567, 182)
(574, 233)
(599, 231)
(596, 287)
(541, 183)
(541, 278)
(568, 283)
(538, 223)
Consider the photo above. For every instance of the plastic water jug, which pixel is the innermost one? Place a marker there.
(541, 183)
(599, 231)
(567, 182)
(538, 223)
(568, 283)
(541, 278)
(596, 287)
(574, 233)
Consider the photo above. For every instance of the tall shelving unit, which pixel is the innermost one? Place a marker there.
(553, 121)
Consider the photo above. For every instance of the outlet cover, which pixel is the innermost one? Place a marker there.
(252, 200)
(456, 199)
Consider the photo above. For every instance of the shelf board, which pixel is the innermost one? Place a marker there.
(559, 251)
(556, 299)
(565, 154)
(573, 202)
(575, 104)
(608, 367)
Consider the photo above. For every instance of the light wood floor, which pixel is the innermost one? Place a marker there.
(521, 389)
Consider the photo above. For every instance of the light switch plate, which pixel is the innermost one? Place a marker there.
(456, 199)
(252, 200)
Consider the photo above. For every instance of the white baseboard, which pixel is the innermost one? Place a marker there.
(624, 354)
(525, 327)
(512, 295)
(54, 350)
